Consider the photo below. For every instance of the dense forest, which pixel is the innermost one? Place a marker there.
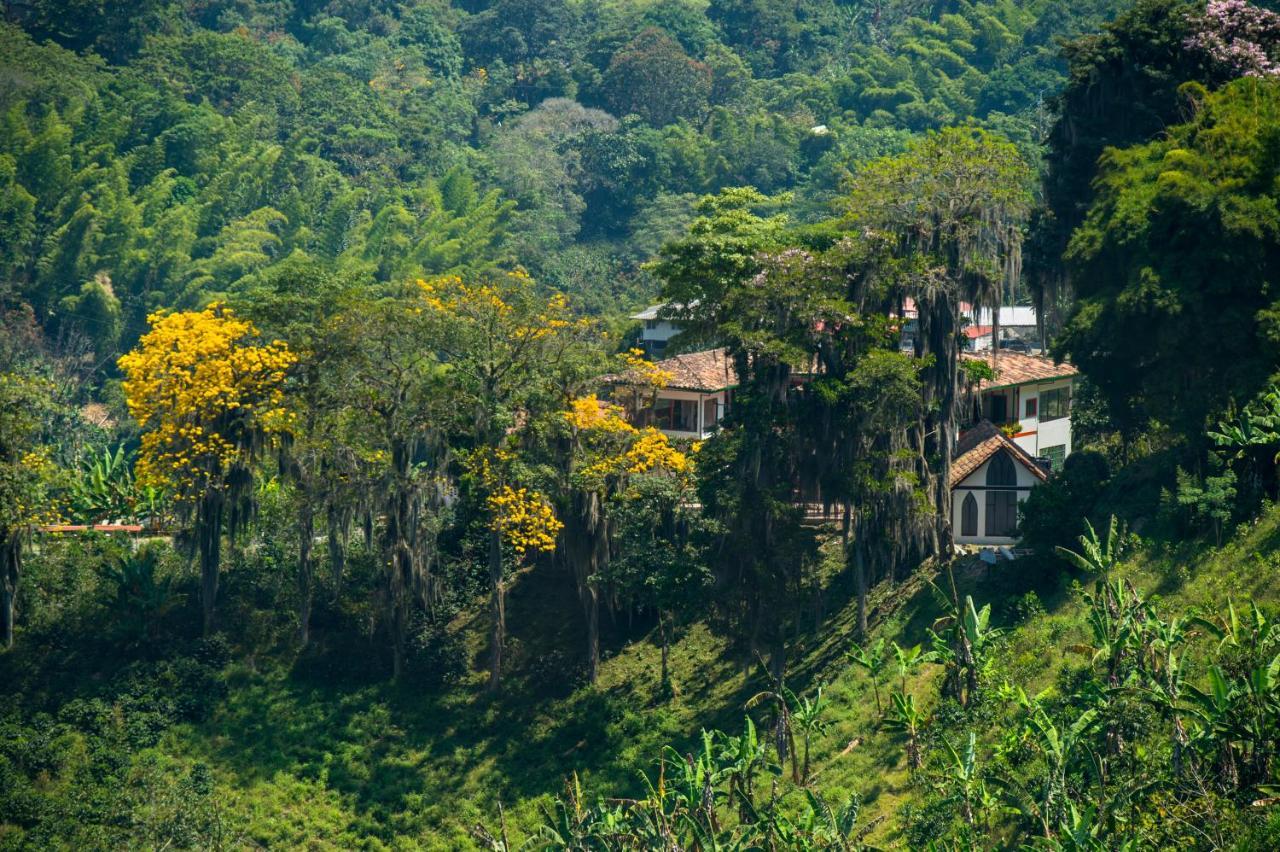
(333, 512)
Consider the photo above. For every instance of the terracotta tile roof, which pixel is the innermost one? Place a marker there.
(710, 370)
(1015, 368)
(981, 443)
(973, 332)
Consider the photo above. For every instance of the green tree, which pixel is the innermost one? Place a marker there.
(26, 476)
(954, 204)
(652, 77)
(1169, 265)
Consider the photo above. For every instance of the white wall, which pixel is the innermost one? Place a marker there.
(662, 330)
(702, 399)
(1043, 433)
(1026, 480)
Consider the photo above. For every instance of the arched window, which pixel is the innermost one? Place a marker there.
(1000, 471)
(969, 516)
(1002, 506)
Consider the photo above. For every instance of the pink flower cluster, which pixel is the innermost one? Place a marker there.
(1240, 37)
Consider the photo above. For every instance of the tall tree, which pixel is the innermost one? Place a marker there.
(1175, 318)
(25, 477)
(510, 353)
(388, 370)
(954, 204)
(208, 393)
(605, 453)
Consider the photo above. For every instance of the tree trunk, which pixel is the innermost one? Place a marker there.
(860, 583)
(665, 685)
(209, 535)
(337, 529)
(306, 573)
(499, 610)
(593, 632)
(10, 574)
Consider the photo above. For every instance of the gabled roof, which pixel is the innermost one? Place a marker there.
(652, 312)
(1016, 368)
(707, 371)
(982, 442)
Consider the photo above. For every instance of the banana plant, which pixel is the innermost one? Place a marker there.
(832, 828)
(740, 760)
(105, 489)
(1098, 555)
(142, 596)
(784, 735)
(1048, 801)
(908, 660)
(1258, 425)
(962, 778)
(1236, 721)
(807, 717)
(876, 662)
(1166, 678)
(1248, 636)
(907, 719)
(964, 651)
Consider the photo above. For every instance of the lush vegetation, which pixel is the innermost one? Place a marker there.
(322, 297)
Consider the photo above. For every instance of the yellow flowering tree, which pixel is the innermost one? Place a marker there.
(607, 451)
(208, 393)
(26, 477)
(510, 352)
(639, 383)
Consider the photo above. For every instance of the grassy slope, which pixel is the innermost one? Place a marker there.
(335, 766)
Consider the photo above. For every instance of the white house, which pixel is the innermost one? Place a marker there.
(698, 392)
(990, 476)
(1031, 395)
(1016, 321)
(657, 329)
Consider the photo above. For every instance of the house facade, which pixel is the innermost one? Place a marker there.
(990, 476)
(698, 392)
(1018, 429)
(656, 329)
(1031, 395)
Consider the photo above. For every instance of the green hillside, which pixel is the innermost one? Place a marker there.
(273, 749)
(340, 507)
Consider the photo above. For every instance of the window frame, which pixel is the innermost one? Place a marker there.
(1002, 508)
(969, 516)
(1056, 454)
(1050, 412)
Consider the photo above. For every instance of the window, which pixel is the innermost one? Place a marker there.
(1001, 471)
(1033, 404)
(1002, 513)
(969, 516)
(1056, 403)
(1055, 454)
(676, 415)
(1002, 506)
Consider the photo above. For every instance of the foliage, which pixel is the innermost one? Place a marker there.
(1099, 554)
(202, 385)
(1201, 182)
